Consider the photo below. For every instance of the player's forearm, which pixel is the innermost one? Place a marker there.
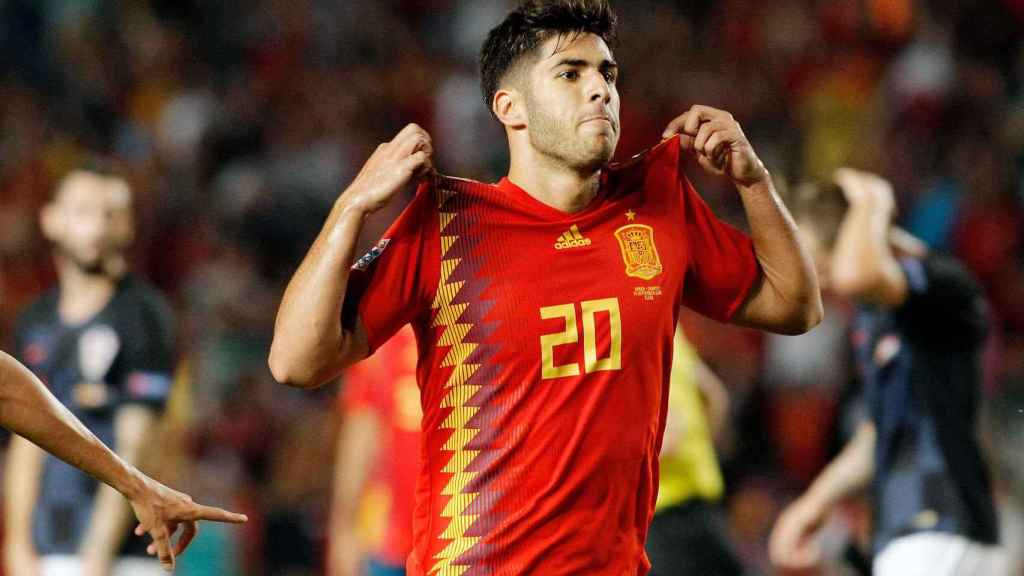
(850, 473)
(864, 265)
(27, 408)
(356, 452)
(788, 269)
(111, 516)
(21, 489)
(309, 342)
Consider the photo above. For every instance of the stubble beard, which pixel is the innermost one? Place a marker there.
(557, 140)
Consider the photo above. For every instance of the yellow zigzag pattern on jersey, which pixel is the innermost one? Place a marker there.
(453, 336)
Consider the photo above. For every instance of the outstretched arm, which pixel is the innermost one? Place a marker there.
(792, 545)
(787, 300)
(27, 408)
(310, 346)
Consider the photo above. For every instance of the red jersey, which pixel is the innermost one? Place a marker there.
(385, 385)
(545, 347)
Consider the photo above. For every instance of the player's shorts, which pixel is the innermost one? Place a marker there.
(691, 538)
(61, 565)
(938, 554)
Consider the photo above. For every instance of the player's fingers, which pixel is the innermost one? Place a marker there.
(408, 130)
(412, 139)
(215, 514)
(417, 162)
(674, 127)
(140, 530)
(698, 115)
(717, 145)
(187, 534)
(162, 543)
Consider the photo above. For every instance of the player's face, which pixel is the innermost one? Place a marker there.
(90, 221)
(573, 103)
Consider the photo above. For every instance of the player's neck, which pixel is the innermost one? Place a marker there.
(82, 294)
(557, 186)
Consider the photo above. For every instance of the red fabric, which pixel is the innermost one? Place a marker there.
(385, 385)
(522, 473)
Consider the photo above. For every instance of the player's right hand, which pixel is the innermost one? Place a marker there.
(20, 559)
(391, 166)
(792, 545)
(161, 511)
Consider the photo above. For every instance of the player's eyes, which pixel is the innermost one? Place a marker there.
(610, 76)
(570, 75)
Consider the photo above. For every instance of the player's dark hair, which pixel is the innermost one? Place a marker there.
(529, 25)
(823, 206)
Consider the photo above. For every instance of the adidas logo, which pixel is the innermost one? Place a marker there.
(572, 239)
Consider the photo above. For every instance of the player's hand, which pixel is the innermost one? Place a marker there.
(161, 511)
(719, 144)
(866, 190)
(391, 166)
(20, 558)
(792, 545)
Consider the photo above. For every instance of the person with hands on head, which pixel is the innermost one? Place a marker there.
(28, 409)
(543, 396)
(918, 335)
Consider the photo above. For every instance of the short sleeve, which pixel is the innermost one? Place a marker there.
(147, 361)
(945, 305)
(389, 286)
(721, 264)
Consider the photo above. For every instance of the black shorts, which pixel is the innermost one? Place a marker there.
(690, 539)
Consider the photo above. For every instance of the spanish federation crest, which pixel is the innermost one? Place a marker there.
(638, 251)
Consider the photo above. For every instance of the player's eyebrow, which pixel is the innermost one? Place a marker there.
(605, 64)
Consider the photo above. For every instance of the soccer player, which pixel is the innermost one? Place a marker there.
(102, 344)
(28, 409)
(688, 534)
(918, 338)
(544, 305)
(377, 463)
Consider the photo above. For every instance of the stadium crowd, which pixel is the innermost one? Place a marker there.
(238, 123)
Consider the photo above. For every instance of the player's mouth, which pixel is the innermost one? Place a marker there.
(599, 118)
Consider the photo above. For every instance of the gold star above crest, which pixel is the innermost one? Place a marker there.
(630, 215)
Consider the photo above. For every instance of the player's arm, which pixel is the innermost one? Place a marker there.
(134, 426)
(21, 491)
(715, 395)
(787, 299)
(27, 408)
(356, 452)
(863, 264)
(310, 346)
(792, 544)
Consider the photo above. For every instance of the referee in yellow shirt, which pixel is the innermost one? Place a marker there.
(688, 534)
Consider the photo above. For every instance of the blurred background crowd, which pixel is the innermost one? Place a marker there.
(239, 123)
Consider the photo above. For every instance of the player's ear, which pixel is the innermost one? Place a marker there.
(510, 108)
(49, 221)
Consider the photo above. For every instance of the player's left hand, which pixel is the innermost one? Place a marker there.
(161, 511)
(719, 143)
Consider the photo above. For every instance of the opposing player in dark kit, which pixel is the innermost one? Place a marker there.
(101, 342)
(918, 337)
(544, 305)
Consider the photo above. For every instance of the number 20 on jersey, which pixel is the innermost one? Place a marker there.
(589, 311)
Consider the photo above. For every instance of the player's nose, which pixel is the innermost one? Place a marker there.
(598, 90)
